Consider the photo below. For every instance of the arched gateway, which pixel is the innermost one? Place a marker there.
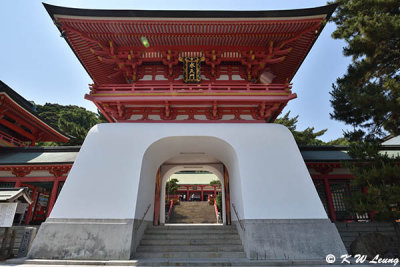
(192, 68)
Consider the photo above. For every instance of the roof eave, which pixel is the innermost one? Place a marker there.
(59, 10)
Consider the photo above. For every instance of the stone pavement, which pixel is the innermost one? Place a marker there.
(173, 262)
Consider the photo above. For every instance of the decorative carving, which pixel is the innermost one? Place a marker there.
(265, 111)
(20, 172)
(215, 114)
(323, 169)
(213, 58)
(170, 59)
(59, 171)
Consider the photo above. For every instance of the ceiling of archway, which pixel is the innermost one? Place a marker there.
(195, 158)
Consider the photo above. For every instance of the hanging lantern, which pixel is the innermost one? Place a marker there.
(145, 42)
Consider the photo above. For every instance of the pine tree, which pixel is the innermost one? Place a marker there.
(379, 174)
(306, 137)
(368, 95)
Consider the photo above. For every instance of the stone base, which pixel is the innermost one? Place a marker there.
(89, 239)
(290, 239)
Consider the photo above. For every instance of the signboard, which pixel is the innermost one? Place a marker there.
(21, 208)
(7, 213)
(191, 69)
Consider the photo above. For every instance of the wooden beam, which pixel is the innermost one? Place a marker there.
(17, 129)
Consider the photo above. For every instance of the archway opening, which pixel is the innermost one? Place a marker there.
(194, 197)
(192, 188)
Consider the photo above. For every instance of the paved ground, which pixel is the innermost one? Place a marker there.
(175, 262)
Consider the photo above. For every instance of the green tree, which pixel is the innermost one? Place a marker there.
(171, 187)
(306, 137)
(215, 182)
(368, 95)
(72, 120)
(218, 201)
(379, 174)
(341, 141)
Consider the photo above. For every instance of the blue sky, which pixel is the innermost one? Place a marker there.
(39, 65)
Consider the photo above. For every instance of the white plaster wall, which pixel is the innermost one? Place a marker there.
(118, 162)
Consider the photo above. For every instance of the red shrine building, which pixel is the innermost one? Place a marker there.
(20, 129)
(175, 67)
(20, 126)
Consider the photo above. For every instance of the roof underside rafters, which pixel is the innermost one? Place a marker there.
(98, 34)
(21, 123)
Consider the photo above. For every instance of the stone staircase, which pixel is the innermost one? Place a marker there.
(190, 242)
(193, 212)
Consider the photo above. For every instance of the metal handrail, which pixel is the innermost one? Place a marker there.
(237, 216)
(144, 215)
(171, 205)
(216, 210)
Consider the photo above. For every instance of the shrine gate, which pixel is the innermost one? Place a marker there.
(176, 83)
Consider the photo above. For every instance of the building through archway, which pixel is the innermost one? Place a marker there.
(192, 188)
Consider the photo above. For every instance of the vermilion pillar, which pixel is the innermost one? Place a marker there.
(202, 193)
(31, 207)
(157, 199)
(17, 183)
(227, 197)
(329, 200)
(215, 191)
(53, 197)
(187, 193)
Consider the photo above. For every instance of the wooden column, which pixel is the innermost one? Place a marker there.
(202, 193)
(31, 207)
(156, 220)
(53, 197)
(227, 197)
(187, 193)
(329, 200)
(17, 183)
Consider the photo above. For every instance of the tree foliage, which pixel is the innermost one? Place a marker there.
(306, 137)
(368, 98)
(215, 182)
(379, 174)
(72, 120)
(218, 201)
(171, 187)
(341, 141)
(368, 95)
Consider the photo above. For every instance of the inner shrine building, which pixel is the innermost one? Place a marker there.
(185, 90)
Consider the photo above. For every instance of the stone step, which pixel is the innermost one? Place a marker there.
(190, 248)
(174, 262)
(190, 255)
(192, 227)
(190, 237)
(193, 212)
(188, 242)
(193, 231)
